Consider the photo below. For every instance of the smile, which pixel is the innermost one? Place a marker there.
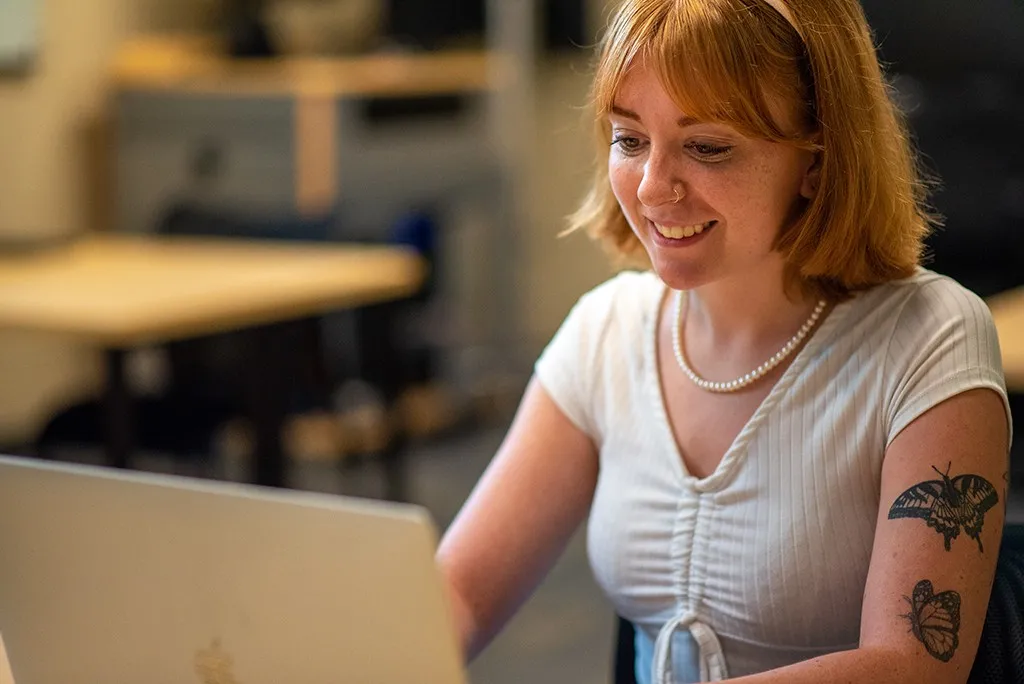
(681, 232)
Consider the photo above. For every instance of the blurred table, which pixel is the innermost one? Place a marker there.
(120, 292)
(1008, 312)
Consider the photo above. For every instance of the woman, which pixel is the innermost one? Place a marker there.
(791, 439)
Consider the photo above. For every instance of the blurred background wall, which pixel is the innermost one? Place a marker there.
(55, 176)
(957, 71)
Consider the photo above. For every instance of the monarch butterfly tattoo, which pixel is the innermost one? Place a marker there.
(935, 619)
(949, 504)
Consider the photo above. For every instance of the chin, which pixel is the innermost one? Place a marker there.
(679, 275)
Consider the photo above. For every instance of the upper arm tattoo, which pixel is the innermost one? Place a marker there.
(935, 619)
(949, 504)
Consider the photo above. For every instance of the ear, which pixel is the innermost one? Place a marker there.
(812, 174)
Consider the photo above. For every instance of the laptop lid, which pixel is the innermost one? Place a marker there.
(111, 576)
(5, 668)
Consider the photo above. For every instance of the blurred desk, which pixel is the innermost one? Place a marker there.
(1008, 312)
(120, 292)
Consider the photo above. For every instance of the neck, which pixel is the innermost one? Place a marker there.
(749, 311)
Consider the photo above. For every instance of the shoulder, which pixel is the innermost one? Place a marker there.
(607, 320)
(920, 305)
(941, 342)
(933, 309)
(930, 296)
(602, 329)
(624, 290)
(623, 302)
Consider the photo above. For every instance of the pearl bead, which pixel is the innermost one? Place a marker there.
(757, 373)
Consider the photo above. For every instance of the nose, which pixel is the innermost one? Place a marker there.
(660, 183)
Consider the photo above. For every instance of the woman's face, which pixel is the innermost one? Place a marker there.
(705, 201)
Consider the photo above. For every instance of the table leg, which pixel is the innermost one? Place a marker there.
(117, 410)
(396, 481)
(315, 373)
(266, 387)
(382, 367)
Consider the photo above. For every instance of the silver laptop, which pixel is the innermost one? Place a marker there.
(110, 577)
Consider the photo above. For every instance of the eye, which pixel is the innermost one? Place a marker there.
(628, 144)
(709, 151)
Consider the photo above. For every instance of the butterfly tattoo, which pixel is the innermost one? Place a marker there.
(949, 504)
(935, 619)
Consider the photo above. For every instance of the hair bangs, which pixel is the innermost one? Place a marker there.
(723, 61)
(626, 39)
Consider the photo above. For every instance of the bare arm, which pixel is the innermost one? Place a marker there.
(518, 519)
(924, 604)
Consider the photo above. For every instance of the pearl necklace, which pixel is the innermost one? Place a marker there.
(752, 376)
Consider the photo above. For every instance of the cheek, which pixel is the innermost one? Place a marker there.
(779, 182)
(763, 194)
(624, 182)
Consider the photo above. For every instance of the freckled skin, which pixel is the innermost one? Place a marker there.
(752, 191)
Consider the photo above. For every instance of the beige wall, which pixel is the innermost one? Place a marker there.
(46, 118)
(51, 176)
(561, 269)
(558, 270)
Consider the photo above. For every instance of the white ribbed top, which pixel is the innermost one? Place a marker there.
(764, 561)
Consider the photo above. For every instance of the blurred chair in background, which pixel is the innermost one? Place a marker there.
(1000, 658)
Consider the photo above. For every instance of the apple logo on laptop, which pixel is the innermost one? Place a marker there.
(213, 665)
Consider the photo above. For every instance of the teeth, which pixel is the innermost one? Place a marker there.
(679, 232)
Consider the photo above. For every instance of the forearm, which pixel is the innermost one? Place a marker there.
(486, 590)
(869, 664)
(464, 622)
(518, 519)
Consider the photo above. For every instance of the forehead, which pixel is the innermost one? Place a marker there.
(642, 93)
(639, 81)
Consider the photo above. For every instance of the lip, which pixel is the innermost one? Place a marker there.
(677, 243)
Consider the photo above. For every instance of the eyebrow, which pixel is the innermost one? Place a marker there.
(682, 121)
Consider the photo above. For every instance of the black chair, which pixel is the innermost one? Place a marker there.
(1000, 658)
(624, 661)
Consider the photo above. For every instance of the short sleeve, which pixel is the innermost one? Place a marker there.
(573, 368)
(944, 343)
(563, 366)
